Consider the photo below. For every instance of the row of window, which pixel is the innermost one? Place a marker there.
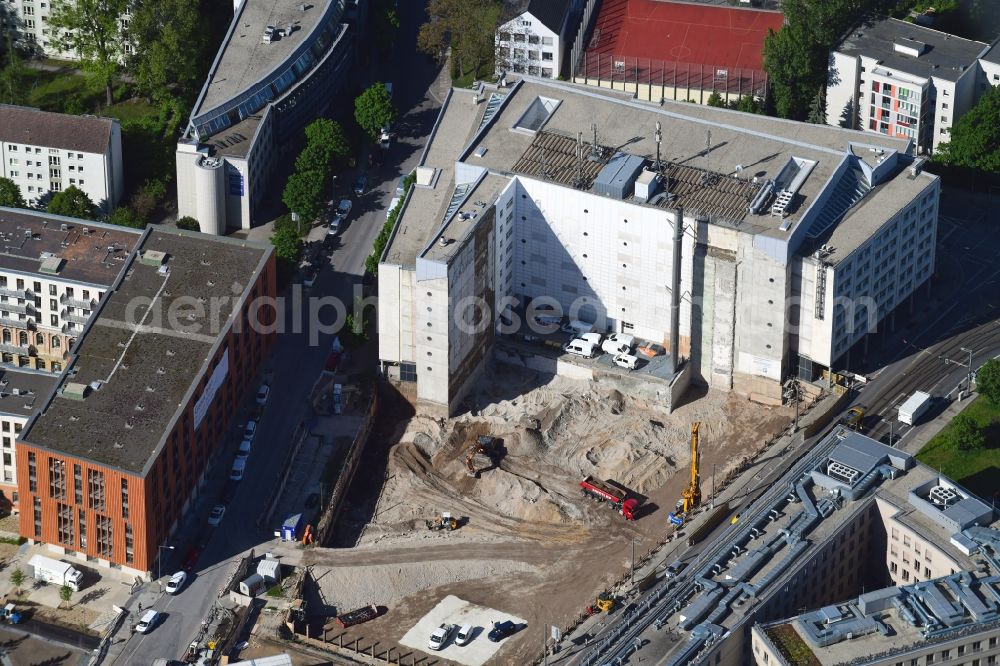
(13, 148)
(521, 38)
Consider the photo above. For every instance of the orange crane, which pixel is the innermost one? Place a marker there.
(692, 494)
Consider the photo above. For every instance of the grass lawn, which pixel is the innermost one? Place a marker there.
(791, 645)
(979, 471)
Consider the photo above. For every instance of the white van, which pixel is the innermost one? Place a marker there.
(618, 343)
(594, 337)
(392, 204)
(464, 635)
(627, 361)
(239, 466)
(577, 328)
(581, 348)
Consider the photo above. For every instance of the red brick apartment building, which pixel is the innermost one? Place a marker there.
(107, 468)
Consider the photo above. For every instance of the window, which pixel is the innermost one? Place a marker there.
(77, 485)
(105, 542)
(125, 498)
(52, 290)
(546, 41)
(57, 478)
(546, 55)
(38, 517)
(95, 491)
(32, 473)
(83, 528)
(64, 525)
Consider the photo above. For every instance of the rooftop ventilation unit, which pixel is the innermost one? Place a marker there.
(63, 227)
(51, 265)
(153, 258)
(943, 496)
(444, 241)
(910, 47)
(75, 390)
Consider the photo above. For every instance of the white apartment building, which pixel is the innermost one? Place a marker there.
(905, 80)
(53, 273)
(796, 240)
(30, 20)
(22, 393)
(45, 152)
(536, 38)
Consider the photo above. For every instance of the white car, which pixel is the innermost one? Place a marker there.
(176, 582)
(440, 637)
(618, 343)
(244, 451)
(147, 622)
(250, 430)
(214, 518)
(262, 394)
(464, 635)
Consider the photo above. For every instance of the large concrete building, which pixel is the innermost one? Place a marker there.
(795, 240)
(281, 64)
(123, 445)
(53, 273)
(905, 80)
(856, 517)
(22, 393)
(45, 152)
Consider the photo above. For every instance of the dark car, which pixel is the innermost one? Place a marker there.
(361, 185)
(502, 630)
(191, 558)
(675, 568)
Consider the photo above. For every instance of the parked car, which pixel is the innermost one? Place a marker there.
(176, 582)
(262, 394)
(218, 511)
(147, 622)
(675, 568)
(250, 430)
(392, 205)
(401, 186)
(361, 185)
(627, 361)
(191, 558)
(618, 343)
(239, 467)
(594, 338)
(342, 212)
(464, 635)
(580, 348)
(502, 630)
(244, 451)
(309, 277)
(439, 638)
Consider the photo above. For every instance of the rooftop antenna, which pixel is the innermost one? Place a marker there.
(708, 141)
(578, 177)
(595, 152)
(658, 137)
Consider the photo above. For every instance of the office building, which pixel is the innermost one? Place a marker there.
(53, 272)
(796, 240)
(676, 50)
(900, 79)
(45, 152)
(281, 65)
(123, 446)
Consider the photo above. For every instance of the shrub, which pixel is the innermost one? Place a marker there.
(188, 223)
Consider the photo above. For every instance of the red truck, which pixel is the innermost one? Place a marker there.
(605, 492)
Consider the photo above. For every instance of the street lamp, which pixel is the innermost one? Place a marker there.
(713, 485)
(632, 569)
(159, 562)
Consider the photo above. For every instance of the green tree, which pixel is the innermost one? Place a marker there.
(65, 594)
(188, 223)
(72, 202)
(467, 27)
(91, 29)
(303, 194)
(817, 108)
(17, 579)
(975, 138)
(715, 99)
(747, 104)
(12, 77)
(10, 194)
(124, 216)
(170, 39)
(373, 109)
(988, 381)
(966, 433)
(328, 137)
(286, 240)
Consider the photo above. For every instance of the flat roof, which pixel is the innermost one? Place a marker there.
(244, 59)
(461, 223)
(141, 368)
(23, 392)
(993, 55)
(683, 33)
(944, 56)
(711, 156)
(91, 252)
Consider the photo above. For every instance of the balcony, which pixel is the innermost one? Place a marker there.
(75, 318)
(27, 324)
(78, 302)
(20, 308)
(19, 350)
(20, 294)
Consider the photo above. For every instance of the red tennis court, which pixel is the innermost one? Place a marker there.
(685, 33)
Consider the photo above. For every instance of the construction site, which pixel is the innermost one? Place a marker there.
(531, 505)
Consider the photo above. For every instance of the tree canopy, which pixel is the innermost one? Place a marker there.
(468, 27)
(286, 239)
(10, 194)
(988, 381)
(92, 29)
(72, 202)
(966, 433)
(303, 194)
(169, 38)
(796, 57)
(373, 109)
(975, 138)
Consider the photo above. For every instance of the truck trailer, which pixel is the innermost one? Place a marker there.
(914, 407)
(604, 491)
(56, 572)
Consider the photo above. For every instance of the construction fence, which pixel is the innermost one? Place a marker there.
(654, 80)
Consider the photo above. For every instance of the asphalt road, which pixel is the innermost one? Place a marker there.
(295, 364)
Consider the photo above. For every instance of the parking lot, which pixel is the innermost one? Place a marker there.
(452, 610)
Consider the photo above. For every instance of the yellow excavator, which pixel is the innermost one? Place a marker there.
(604, 603)
(443, 522)
(692, 494)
